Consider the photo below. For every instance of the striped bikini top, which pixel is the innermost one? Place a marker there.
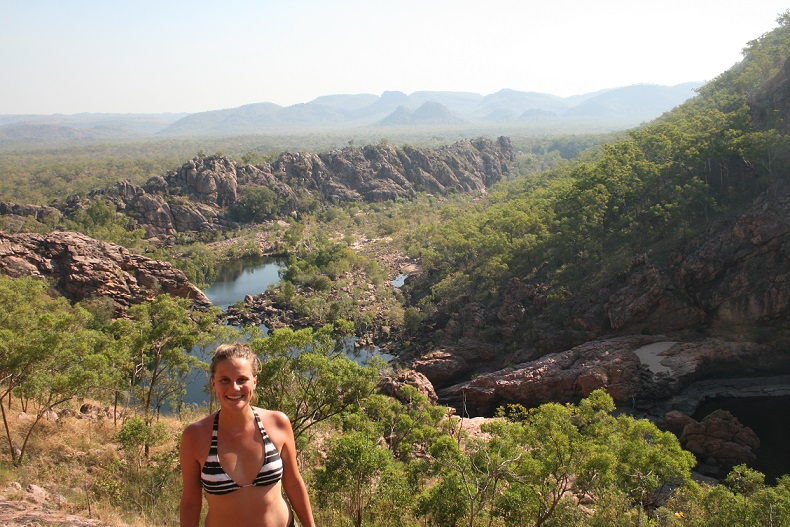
(216, 481)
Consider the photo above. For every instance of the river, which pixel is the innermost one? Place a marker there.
(238, 279)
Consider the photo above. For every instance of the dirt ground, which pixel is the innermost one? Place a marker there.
(25, 513)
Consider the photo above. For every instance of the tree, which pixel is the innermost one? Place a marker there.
(582, 449)
(160, 336)
(352, 473)
(479, 468)
(404, 426)
(100, 220)
(742, 499)
(306, 375)
(49, 353)
(256, 205)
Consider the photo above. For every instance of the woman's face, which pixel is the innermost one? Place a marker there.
(234, 382)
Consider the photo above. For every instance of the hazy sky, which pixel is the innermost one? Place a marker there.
(147, 56)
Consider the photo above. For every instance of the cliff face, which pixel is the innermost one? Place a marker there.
(81, 267)
(196, 197)
(735, 276)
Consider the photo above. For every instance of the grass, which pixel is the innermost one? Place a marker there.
(82, 461)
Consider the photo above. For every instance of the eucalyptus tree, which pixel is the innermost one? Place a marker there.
(355, 473)
(742, 498)
(50, 353)
(159, 336)
(306, 375)
(534, 465)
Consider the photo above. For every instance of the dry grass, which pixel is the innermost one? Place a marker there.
(87, 473)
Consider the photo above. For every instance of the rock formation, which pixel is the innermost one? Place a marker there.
(720, 440)
(736, 274)
(38, 213)
(198, 195)
(382, 172)
(391, 384)
(81, 267)
(612, 363)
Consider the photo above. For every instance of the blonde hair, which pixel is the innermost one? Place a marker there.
(237, 350)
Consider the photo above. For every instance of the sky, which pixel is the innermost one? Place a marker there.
(154, 56)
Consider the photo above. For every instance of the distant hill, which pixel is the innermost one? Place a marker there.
(48, 128)
(611, 109)
(643, 101)
(430, 113)
(616, 108)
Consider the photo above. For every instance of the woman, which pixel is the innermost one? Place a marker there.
(242, 456)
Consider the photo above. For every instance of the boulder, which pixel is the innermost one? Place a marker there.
(566, 376)
(609, 363)
(720, 440)
(391, 384)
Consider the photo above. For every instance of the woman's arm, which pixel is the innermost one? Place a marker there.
(293, 483)
(192, 493)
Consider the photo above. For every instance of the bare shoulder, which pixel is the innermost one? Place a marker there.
(197, 436)
(276, 423)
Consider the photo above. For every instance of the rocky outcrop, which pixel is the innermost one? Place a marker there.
(392, 384)
(81, 267)
(198, 196)
(616, 364)
(38, 213)
(193, 198)
(720, 440)
(565, 376)
(383, 172)
(211, 180)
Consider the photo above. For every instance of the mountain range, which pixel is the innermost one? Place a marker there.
(609, 109)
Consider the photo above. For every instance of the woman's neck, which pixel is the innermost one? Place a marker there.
(236, 417)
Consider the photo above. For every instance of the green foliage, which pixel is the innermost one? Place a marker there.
(528, 470)
(325, 282)
(100, 220)
(256, 205)
(752, 505)
(49, 353)
(198, 263)
(159, 336)
(404, 426)
(148, 492)
(440, 503)
(136, 437)
(306, 376)
(353, 474)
